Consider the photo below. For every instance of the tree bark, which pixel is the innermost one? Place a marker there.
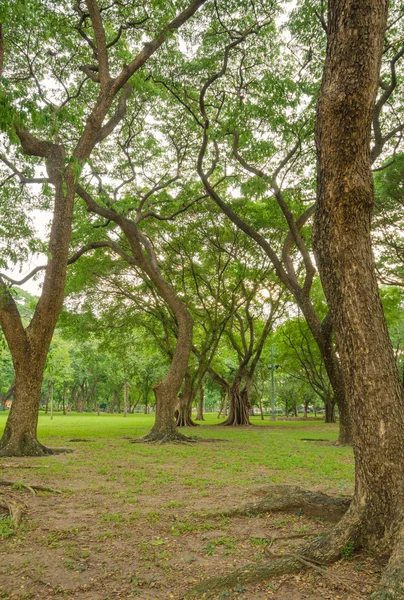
(342, 245)
(19, 437)
(186, 398)
(238, 405)
(199, 413)
(329, 410)
(261, 408)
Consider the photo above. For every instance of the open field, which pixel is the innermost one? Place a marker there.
(130, 521)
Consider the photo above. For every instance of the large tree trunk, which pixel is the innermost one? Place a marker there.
(343, 250)
(166, 392)
(238, 405)
(20, 437)
(186, 398)
(29, 346)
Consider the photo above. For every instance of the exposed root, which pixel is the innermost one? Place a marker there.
(31, 488)
(332, 577)
(29, 448)
(247, 574)
(322, 550)
(173, 438)
(15, 466)
(391, 586)
(15, 510)
(292, 500)
(79, 440)
(315, 440)
(234, 423)
(158, 438)
(185, 422)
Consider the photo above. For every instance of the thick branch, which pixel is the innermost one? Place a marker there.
(150, 47)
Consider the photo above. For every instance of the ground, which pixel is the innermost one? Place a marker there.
(133, 519)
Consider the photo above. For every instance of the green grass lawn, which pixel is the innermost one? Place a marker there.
(272, 452)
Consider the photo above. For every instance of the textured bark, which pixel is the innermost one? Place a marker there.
(19, 437)
(238, 406)
(186, 398)
(344, 256)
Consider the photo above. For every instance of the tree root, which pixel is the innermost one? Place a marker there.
(15, 510)
(322, 550)
(333, 578)
(29, 448)
(391, 586)
(315, 440)
(173, 438)
(247, 574)
(15, 466)
(33, 488)
(158, 438)
(287, 499)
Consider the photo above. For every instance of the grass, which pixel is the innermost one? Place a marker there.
(142, 511)
(272, 452)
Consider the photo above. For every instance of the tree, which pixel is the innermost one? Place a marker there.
(342, 242)
(343, 249)
(263, 102)
(299, 357)
(89, 102)
(388, 220)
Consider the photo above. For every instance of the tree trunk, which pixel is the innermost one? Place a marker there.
(166, 392)
(343, 249)
(186, 398)
(51, 399)
(261, 408)
(322, 334)
(47, 398)
(238, 406)
(64, 397)
(329, 410)
(199, 413)
(125, 399)
(146, 401)
(20, 437)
